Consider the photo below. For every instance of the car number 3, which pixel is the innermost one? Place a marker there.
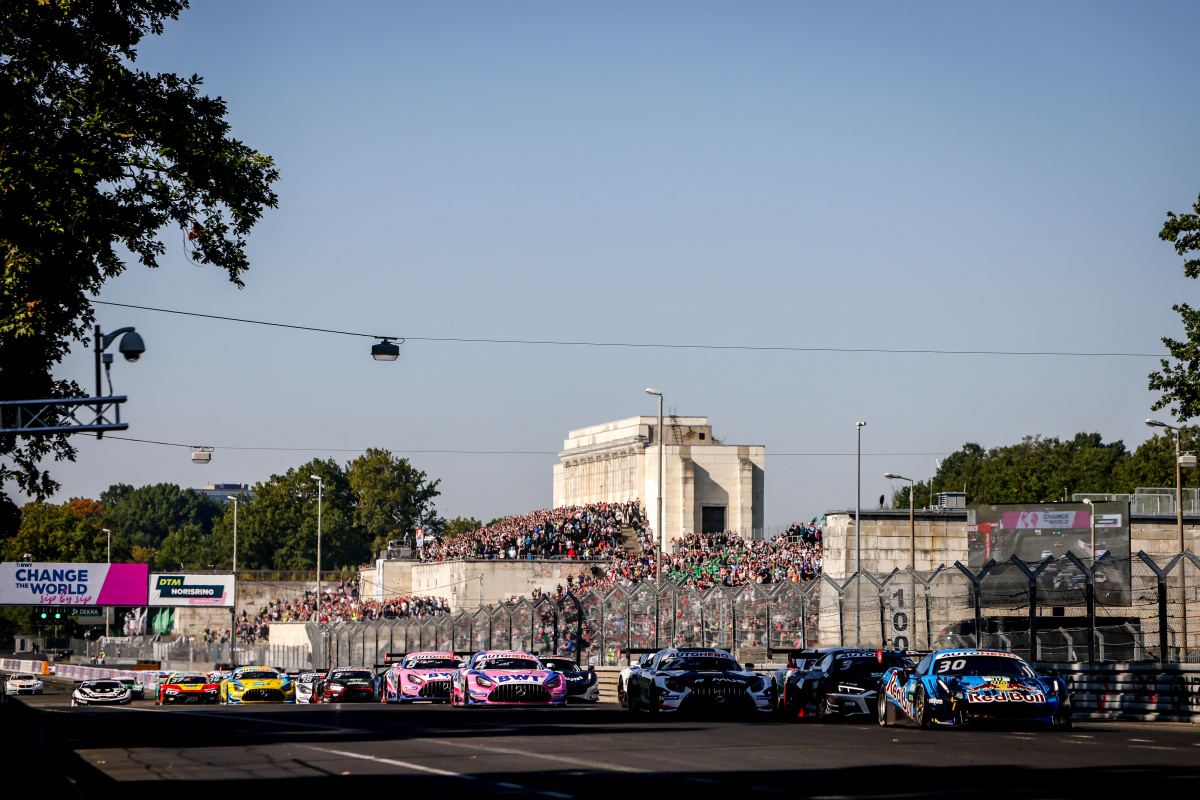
(947, 665)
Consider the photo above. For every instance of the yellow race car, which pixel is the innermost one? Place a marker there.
(257, 685)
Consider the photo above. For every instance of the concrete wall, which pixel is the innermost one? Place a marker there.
(252, 596)
(387, 579)
(942, 539)
(458, 582)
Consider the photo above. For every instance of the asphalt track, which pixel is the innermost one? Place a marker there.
(580, 751)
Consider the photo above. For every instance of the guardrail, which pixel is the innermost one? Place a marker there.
(20, 665)
(1146, 692)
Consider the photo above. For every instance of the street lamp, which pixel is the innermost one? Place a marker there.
(131, 347)
(662, 537)
(385, 350)
(233, 626)
(858, 426)
(320, 500)
(912, 523)
(1153, 423)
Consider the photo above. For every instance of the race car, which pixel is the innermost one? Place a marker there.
(23, 684)
(698, 679)
(137, 689)
(105, 692)
(257, 685)
(348, 685)
(308, 687)
(623, 677)
(420, 676)
(582, 684)
(841, 682)
(187, 687)
(506, 677)
(952, 688)
(798, 663)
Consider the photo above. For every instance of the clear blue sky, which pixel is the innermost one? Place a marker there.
(919, 175)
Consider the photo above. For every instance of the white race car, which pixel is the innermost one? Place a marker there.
(623, 678)
(308, 686)
(23, 684)
(101, 693)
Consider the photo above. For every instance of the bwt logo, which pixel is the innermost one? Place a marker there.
(522, 678)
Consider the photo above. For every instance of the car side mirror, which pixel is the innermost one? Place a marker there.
(591, 668)
(791, 665)
(908, 671)
(749, 666)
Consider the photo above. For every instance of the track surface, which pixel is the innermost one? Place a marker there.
(580, 751)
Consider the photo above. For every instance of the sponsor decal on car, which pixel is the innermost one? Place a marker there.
(987, 694)
(897, 693)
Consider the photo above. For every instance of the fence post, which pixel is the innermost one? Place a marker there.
(1161, 574)
(880, 588)
(1089, 574)
(840, 589)
(925, 584)
(1032, 575)
(975, 581)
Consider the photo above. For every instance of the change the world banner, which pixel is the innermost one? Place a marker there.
(50, 584)
(176, 589)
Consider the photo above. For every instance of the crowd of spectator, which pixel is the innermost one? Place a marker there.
(571, 532)
(340, 602)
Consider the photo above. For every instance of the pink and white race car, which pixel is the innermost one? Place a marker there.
(507, 677)
(420, 676)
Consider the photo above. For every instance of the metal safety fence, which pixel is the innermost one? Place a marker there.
(596, 627)
(189, 650)
(1069, 609)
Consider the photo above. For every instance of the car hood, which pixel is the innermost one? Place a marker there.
(515, 676)
(993, 684)
(428, 673)
(259, 684)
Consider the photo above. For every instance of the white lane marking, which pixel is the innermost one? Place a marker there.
(1147, 741)
(509, 751)
(1148, 747)
(393, 762)
(509, 785)
(557, 794)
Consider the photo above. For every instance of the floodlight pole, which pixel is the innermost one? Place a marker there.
(858, 426)
(320, 501)
(662, 537)
(233, 611)
(107, 609)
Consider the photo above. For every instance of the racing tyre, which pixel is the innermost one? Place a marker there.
(630, 705)
(620, 692)
(881, 707)
(921, 714)
(821, 709)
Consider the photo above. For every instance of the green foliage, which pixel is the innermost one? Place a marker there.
(149, 514)
(72, 531)
(1039, 470)
(96, 159)
(462, 525)
(1180, 382)
(393, 496)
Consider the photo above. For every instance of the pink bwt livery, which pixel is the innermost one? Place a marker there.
(507, 677)
(420, 676)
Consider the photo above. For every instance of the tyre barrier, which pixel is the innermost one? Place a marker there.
(1145, 692)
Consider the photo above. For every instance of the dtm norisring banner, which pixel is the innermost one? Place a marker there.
(176, 589)
(55, 584)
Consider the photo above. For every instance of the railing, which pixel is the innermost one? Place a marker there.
(121, 650)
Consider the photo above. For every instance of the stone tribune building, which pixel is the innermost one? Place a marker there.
(709, 486)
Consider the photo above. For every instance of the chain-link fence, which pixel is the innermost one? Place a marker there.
(598, 627)
(1063, 610)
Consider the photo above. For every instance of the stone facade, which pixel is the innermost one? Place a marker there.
(618, 461)
(464, 584)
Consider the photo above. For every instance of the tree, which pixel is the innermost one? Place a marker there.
(149, 514)
(460, 525)
(393, 497)
(72, 531)
(1180, 382)
(96, 159)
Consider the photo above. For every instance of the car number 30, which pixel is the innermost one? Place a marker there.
(947, 665)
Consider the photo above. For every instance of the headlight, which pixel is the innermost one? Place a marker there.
(171, 690)
(417, 679)
(760, 685)
(553, 681)
(484, 681)
(847, 689)
(674, 684)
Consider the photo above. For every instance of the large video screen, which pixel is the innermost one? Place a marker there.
(1031, 532)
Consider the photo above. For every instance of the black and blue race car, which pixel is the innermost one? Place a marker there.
(953, 688)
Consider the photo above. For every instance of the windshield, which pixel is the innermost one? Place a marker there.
(507, 663)
(700, 663)
(982, 666)
(352, 675)
(22, 677)
(259, 675)
(560, 665)
(103, 686)
(869, 665)
(189, 680)
(432, 663)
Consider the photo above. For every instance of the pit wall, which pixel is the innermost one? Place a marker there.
(458, 582)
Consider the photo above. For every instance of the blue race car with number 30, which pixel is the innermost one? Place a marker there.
(953, 688)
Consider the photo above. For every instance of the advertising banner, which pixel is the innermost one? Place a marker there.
(177, 589)
(56, 584)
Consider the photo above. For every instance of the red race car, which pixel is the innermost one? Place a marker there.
(349, 685)
(187, 687)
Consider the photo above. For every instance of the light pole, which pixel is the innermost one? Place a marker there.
(858, 426)
(912, 522)
(320, 500)
(107, 609)
(662, 536)
(233, 627)
(1153, 423)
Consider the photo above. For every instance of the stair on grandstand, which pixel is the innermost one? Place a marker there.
(629, 540)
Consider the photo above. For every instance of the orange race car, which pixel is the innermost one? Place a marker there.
(187, 687)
